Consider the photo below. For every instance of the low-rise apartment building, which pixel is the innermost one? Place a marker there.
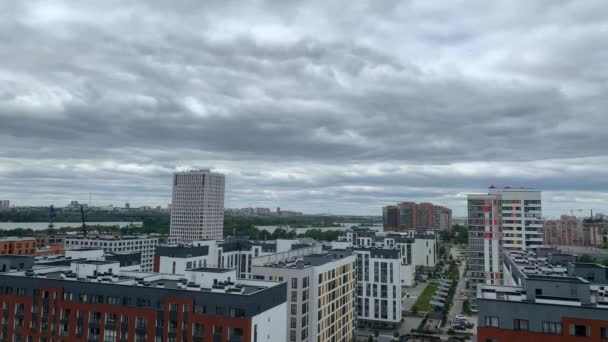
(545, 302)
(94, 300)
(321, 293)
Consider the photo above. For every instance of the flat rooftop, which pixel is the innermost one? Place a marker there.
(113, 237)
(212, 269)
(97, 262)
(148, 280)
(311, 260)
(17, 238)
(529, 264)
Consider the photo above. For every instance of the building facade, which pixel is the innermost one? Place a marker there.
(144, 244)
(18, 245)
(593, 235)
(410, 215)
(565, 231)
(505, 218)
(390, 218)
(321, 294)
(5, 204)
(92, 301)
(197, 206)
(378, 285)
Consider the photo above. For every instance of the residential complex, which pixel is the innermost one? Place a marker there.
(235, 252)
(144, 244)
(321, 293)
(504, 218)
(95, 300)
(411, 215)
(547, 298)
(197, 206)
(418, 248)
(570, 231)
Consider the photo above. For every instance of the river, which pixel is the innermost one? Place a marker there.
(44, 225)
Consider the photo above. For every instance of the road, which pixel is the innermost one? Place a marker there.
(456, 308)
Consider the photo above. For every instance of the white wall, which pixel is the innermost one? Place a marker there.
(271, 325)
(408, 274)
(423, 248)
(206, 279)
(166, 264)
(83, 270)
(284, 245)
(341, 244)
(89, 254)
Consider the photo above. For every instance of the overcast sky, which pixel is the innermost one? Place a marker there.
(319, 106)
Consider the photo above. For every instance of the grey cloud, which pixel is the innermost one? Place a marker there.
(294, 100)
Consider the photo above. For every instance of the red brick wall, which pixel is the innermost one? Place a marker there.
(505, 335)
(56, 296)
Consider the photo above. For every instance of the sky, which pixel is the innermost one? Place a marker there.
(320, 106)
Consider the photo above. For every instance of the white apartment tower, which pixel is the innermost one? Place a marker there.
(197, 206)
(505, 218)
(378, 285)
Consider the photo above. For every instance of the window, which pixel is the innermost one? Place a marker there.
(552, 327)
(579, 330)
(520, 324)
(491, 321)
(604, 333)
(294, 283)
(109, 335)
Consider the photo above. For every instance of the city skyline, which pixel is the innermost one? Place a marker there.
(553, 210)
(393, 100)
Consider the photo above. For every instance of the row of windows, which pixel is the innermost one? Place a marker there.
(554, 328)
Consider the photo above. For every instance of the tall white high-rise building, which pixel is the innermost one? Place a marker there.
(197, 206)
(504, 218)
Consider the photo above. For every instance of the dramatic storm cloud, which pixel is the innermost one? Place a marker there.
(339, 106)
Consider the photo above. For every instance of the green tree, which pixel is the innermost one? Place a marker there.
(466, 307)
(586, 258)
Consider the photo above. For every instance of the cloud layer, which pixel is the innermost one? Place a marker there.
(320, 106)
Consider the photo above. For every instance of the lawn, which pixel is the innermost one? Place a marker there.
(422, 303)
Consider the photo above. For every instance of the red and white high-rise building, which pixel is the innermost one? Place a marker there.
(504, 218)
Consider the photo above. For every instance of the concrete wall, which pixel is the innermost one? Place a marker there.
(270, 325)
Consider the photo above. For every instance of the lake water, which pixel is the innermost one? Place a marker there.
(343, 226)
(45, 225)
